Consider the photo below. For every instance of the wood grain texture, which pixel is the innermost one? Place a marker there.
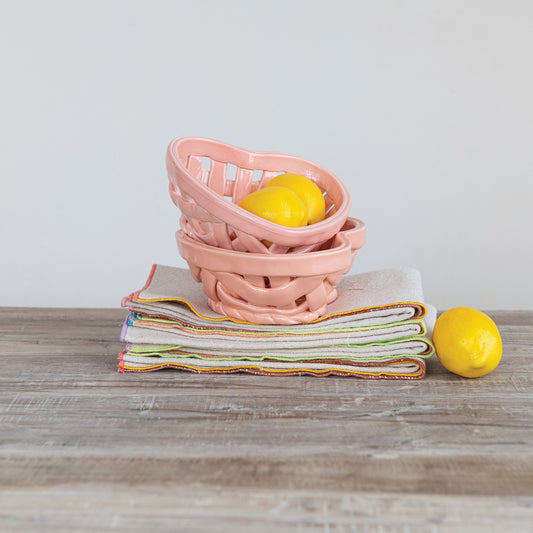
(84, 448)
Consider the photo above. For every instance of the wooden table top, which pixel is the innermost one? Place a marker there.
(85, 448)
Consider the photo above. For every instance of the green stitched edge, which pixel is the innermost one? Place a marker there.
(162, 352)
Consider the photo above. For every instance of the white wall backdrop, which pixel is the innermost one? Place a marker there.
(424, 108)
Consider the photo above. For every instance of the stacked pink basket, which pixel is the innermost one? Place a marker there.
(291, 280)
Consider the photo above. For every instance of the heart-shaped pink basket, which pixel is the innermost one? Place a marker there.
(273, 289)
(201, 184)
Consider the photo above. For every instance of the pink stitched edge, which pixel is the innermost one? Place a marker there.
(135, 295)
(147, 284)
(121, 361)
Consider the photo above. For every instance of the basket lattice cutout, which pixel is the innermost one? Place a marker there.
(208, 194)
(300, 299)
(275, 289)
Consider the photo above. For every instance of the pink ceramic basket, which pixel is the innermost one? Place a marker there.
(208, 197)
(273, 289)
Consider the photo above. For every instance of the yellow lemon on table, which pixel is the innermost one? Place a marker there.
(307, 190)
(467, 342)
(277, 204)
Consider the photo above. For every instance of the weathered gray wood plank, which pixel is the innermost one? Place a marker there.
(132, 509)
(142, 508)
(84, 448)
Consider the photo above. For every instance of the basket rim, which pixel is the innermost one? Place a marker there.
(246, 221)
(338, 258)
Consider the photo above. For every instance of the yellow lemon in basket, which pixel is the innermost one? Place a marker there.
(307, 190)
(467, 342)
(277, 204)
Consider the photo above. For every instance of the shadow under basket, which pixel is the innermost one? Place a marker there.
(208, 178)
(273, 289)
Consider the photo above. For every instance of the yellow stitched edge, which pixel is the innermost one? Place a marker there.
(320, 319)
(198, 369)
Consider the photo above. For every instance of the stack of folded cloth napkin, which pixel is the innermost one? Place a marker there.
(378, 327)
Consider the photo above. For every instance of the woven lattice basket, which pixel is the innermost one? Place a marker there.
(273, 289)
(207, 179)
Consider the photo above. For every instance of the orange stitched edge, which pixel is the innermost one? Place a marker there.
(246, 334)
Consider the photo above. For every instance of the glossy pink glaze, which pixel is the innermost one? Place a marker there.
(273, 289)
(208, 198)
